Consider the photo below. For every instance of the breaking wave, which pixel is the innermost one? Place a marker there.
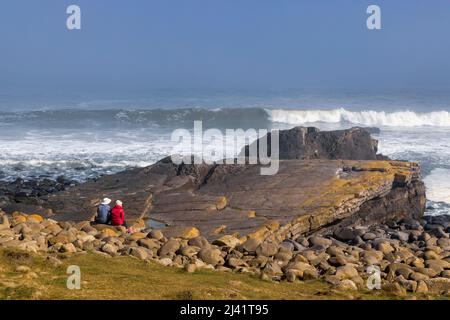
(367, 118)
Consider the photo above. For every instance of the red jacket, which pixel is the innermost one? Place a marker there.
(117, 216)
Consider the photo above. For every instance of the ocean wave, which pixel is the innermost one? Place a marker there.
(220, 117)
(224, 117)
(366, 118)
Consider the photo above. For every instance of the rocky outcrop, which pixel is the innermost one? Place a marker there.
(311, 143)
(305, 196)
(25, 195)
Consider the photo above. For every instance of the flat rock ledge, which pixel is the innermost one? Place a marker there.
(409, 255)
(303, 197)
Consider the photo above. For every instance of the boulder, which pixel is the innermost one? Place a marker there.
(344, 234)
(190, 268)
(199, 241)
(346, 285)
(394, 288)
(227, 240)
(137, 236)
(189, 251)
(272, 269)
(371, 257)
(385, 247)
(139, 253)
(300, 269)
(233, 262)
(211, 256)
(311, 143)
(165, 261)
(438, 285)
(400, 235)
(35, 218)
(68, 248)
(109, 232)
(169, 248)
(4, 222)
(109, 249)
(267, 249)
(320, 241)
(421, 287)
(346, 272)
(149, 243)
(156, 234)
(251, 245)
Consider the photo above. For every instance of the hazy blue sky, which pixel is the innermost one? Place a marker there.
(137, 45)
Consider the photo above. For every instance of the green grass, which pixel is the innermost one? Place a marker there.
(129, 278)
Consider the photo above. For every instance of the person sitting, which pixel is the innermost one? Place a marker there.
(103, 215)
(118, 215)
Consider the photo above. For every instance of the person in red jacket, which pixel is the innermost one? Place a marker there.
(118, 215)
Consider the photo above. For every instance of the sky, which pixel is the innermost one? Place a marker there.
(126, 47)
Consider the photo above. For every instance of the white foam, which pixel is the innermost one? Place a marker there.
(438, 185)
(367, 118)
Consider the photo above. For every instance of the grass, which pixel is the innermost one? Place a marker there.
(129, 278)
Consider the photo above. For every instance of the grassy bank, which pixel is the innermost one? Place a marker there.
(28, 276)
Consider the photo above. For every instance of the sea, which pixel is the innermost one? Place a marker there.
(84, 137)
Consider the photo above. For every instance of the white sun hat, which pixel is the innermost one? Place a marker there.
(106, 201)
(119, 203)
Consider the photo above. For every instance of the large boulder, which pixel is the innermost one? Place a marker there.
(169, 248)
(211, 255)
(311, 143)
